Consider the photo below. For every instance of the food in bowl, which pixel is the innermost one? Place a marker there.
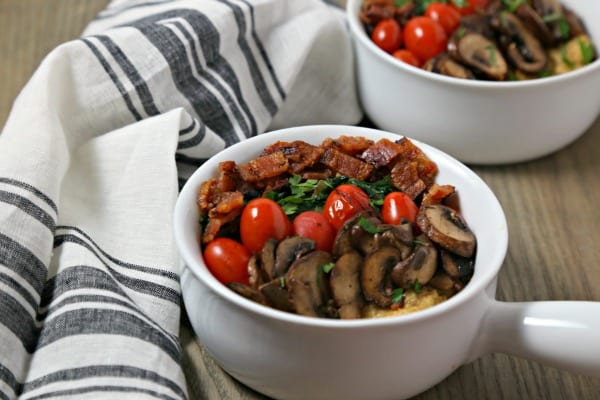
(481, 39)
(351, 228)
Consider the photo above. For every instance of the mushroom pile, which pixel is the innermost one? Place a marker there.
(508, 40)
(371, 263)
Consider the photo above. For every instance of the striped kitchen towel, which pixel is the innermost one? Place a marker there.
(90, 161)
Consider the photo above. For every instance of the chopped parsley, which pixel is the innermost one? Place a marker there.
(563, 55)
(282, 281)
(460, 3)
(512, 5)
(460, 32)
(492, 52)
(400, 3)
(587, 51)
(367, 225)
(419, 242)
(327, 267)
(397, 295)
(417, 286)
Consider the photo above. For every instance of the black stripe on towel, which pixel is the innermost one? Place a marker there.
(32, 189)
(28, 207)
(23, 262)
(94, 371)
(114, 78)
(105, 389)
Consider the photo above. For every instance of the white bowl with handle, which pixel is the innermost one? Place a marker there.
(289, 356)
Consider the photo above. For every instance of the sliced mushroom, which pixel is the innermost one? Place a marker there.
(576, 26)
(534, 22)
(254, 272)
(552, 11)
(447, 228)
(445, 285)
(266, 259)
(343, 240)
(375, 278)
(419, 267)
(398, 236)
(276, 294)
(457, 267)
(306, 283)
(521, 46)
(478, 23)
(288, 250)
(478, 52)
(344, 281)
(248, 292)
(445, 65)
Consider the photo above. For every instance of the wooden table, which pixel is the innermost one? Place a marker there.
(552, 206)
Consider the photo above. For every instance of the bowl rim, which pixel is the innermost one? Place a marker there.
(187, 196)
(357, 30)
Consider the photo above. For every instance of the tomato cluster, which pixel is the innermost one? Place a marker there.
(423, 36)
(263, 218)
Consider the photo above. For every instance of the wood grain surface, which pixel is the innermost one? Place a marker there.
(552, 206)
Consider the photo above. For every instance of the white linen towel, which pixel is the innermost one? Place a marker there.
(89, 164)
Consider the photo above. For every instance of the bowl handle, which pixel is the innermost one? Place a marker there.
(561, 334)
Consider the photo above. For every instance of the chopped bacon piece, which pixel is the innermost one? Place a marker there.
(346, 165)
(426, 168)
(229, 177)
(264, 167)
(300, 154)
(436, 194)
(351, 145)
(405, 177)
(207, 190)
(226, 202)
(381, 153)
(214, 224)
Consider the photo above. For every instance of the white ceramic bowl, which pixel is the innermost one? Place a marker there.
(475, 121)
(289, 356)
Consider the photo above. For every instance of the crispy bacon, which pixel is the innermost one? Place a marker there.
(300, 155)
(426, 169)
(229, 177)
(346, 165)
(436, 194)
(405, 177)
(351, 145)
(214, 224)
(226, 202)
(381, 153)
(263, 167)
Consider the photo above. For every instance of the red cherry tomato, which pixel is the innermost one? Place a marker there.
(343, 202)
(262, 219)
(408, 57)
(425, 37)
(387, 35)
(447, 16)
(466, 7)
(227, 260)
(315, 226)
(398, 206)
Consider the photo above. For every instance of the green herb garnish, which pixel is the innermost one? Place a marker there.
(587, 51)
(367, 225)
(397, 295)
(282, 281)
(400, 3)
(552, 17)
(564, 28)
(327, 267)
(460, 32)
(419, 242)
(417, 286)
(460, 3)
(492, 51)
(563, 55)
(512, 5)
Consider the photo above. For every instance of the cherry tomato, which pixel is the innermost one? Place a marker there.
(398, 206)
(447, 16)
(387, 35)
(408, 57)
(466, 7)
(262, 219)
(425, 37)
(227, 260)
(343, 202)
(315, 226)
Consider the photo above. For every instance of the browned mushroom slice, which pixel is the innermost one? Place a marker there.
(288, 250)
(344, 281)
(266, 259)
(343, 240)
(254, 272)
(248, 292)
(419, 267)
(306, 283)
(551, 11)
(476, 51)
(443, 64)
(398, 236)
(534, 22)
(276, 294)
(375, 278)
(457, 267)
(445, 285)
(576, 26)
(447, 228)
(476, 22)
(521, 46)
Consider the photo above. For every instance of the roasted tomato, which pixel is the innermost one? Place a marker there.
(466, 7)
(343, 202)
(227, 260)
(315, 226)
(425, 37)
(387, 35)
(407, 56)
(398, 206)
(262, 219)
(446, 15)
